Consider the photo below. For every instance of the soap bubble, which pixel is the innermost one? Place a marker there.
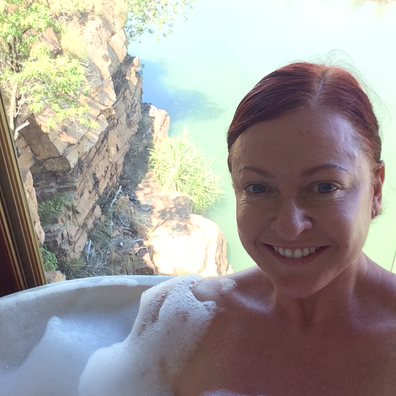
(84, 351)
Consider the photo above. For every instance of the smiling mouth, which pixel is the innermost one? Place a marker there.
(295, 253)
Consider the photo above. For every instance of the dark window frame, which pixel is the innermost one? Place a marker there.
(20, 262)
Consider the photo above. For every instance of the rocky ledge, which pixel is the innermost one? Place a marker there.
(84, 169)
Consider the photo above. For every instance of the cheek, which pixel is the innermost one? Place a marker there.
(243, 220)
(250, 221)
(349, 221)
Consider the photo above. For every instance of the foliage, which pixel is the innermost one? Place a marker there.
(121, 224)
(49, 260)
(73, 7)
(34, 76)
(31, 73)
(72, 268)
(51, 208)
(127, 215)
(150, 15)
(72, 45)
(121, 11)
(179, 165)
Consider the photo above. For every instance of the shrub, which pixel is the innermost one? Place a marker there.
(49, 210)
(73, 44)
(179, 165)
(49, 260)
(72, 268)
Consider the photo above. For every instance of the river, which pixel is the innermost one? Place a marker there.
(201, 72)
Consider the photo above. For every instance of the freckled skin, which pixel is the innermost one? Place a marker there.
(320, 325)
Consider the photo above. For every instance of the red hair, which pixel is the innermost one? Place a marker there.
(315, 86)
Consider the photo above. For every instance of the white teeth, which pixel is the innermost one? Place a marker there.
(298, 253)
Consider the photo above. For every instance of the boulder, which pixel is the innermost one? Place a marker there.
(54, 276)
(182, 243)
(196, 246)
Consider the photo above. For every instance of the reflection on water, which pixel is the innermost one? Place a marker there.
(202, 72)
(179, 103)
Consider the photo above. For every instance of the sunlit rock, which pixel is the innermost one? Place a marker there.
(183, 243)
(73, 157)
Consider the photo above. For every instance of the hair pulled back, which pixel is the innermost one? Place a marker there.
(315, 86)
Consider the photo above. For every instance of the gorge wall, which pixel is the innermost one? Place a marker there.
(78, 163)
(82, 167)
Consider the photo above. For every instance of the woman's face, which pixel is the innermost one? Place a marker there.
(305, 198)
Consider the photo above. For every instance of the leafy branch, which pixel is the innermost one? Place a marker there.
(32, 75)
(35, 75)
(151, 15)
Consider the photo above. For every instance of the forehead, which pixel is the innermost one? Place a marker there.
(300, 138)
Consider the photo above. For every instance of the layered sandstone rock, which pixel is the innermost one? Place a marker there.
(78, 163)
(81, 167)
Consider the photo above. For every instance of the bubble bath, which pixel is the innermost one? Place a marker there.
(170, 323)
(80, 338)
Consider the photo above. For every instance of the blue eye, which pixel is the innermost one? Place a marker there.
(256, 188)
(325, 188)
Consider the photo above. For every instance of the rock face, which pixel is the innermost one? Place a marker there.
(73, 169)
(30, 193)
(182, 243)
(75, 163)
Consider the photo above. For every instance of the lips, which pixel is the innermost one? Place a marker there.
(295, 253)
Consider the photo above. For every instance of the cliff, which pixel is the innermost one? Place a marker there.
(75, 172)
(77, 164)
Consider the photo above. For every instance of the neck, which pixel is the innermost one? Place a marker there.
(334, 305)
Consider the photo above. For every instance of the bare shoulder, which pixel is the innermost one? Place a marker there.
(377, 301)
(385, 290)
(212, 289)
(230, 288)
(388, 299)
(389, 282)
(169, 300)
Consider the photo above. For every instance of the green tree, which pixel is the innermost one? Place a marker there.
(151, 15)
(32, 74)
(179, 165)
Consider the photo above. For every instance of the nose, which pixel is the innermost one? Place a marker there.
(290, 220)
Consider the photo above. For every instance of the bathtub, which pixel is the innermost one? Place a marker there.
(74, 318)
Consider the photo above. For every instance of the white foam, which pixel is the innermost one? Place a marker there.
(227, 284)
(92, 346)
(169, 324)
(55, 364)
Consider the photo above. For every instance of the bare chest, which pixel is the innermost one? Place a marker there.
(258, 361)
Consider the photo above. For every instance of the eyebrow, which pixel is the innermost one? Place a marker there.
(328, 165)
(309, 172)
(257, 170)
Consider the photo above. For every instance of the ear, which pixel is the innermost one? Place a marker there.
(379, 178)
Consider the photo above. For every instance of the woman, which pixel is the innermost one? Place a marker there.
(316, 316)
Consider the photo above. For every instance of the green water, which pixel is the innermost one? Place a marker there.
(200, 74)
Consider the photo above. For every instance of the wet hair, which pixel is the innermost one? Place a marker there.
(314, 86)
